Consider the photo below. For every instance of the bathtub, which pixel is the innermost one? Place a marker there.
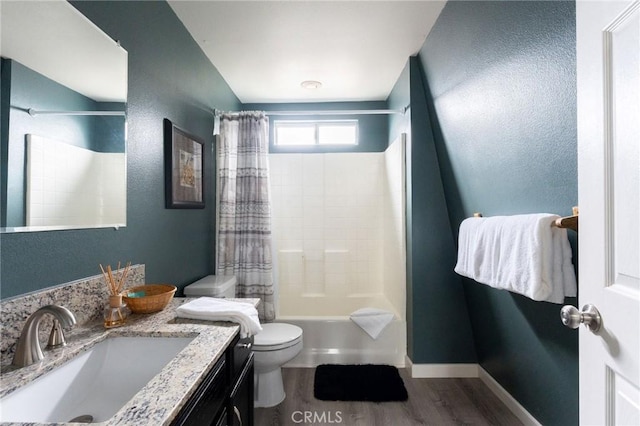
(335, 339)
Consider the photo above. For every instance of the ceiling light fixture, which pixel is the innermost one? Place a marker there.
(311, 84)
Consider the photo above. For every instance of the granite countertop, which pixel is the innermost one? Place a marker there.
(162, 398)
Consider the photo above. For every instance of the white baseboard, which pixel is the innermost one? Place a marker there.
(518, 410)
(424, 371)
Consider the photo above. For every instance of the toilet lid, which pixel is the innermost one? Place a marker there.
(276, 334)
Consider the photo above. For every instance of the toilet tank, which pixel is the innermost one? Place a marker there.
(222, 286)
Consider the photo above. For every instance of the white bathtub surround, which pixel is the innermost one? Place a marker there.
(339, 231)
(330, 337)
(373, 321)
(327, 215)
(85, 298)
(331, 306)
(243, 242)
(338, 340)
(394, 215)
(339, 227)
(70, 185)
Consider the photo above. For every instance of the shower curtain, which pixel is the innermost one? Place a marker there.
(244, 210)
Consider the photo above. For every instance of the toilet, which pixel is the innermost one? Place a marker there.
(277, 343)
(274, 346)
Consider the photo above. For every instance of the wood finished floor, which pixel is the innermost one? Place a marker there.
(435, 402)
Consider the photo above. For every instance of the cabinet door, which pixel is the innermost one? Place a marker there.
(241, 400)
(222, 419)
(208, 401)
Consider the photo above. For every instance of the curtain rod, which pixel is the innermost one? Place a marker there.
(32, 112)
(339, 112)
(332, 112)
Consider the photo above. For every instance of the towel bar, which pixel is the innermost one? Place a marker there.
(569, 222)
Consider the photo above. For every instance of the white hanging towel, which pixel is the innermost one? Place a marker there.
(372, 320)
(214, 309)
(524, 254)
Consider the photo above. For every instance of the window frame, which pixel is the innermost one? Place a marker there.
(316, 127)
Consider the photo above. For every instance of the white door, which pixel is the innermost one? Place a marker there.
(608, 61)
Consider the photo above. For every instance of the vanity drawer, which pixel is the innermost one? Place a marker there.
(239, 353)
(208, 402)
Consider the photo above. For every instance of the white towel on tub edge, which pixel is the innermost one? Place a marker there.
(372, 320)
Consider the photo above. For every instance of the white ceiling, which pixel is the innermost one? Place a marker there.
(265, 49)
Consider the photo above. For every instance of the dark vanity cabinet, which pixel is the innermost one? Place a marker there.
(225, 396)
(240, 409)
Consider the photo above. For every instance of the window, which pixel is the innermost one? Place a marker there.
(305, 133)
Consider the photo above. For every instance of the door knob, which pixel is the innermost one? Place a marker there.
(589, 316)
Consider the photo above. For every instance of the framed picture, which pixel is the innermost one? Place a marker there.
(183, 168)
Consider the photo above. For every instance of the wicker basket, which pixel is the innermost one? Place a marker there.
(148, 298)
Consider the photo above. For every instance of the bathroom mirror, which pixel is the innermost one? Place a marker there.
(63, 120)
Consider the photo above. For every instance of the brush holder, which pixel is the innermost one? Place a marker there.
(116, 312)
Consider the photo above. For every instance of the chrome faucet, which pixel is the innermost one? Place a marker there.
(28, 349)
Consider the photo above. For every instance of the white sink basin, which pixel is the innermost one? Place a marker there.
(96, 383)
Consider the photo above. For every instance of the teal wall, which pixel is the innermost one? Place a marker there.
(438, 327)
(372, 129)
(169, 77)
(502, 97)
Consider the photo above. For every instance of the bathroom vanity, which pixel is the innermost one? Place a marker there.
(225, 396)
(209, 382)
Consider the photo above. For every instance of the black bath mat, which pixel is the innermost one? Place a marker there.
(367, 382)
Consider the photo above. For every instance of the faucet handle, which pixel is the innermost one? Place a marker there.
(56, 338)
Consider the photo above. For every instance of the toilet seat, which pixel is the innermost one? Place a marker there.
(276, 336)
